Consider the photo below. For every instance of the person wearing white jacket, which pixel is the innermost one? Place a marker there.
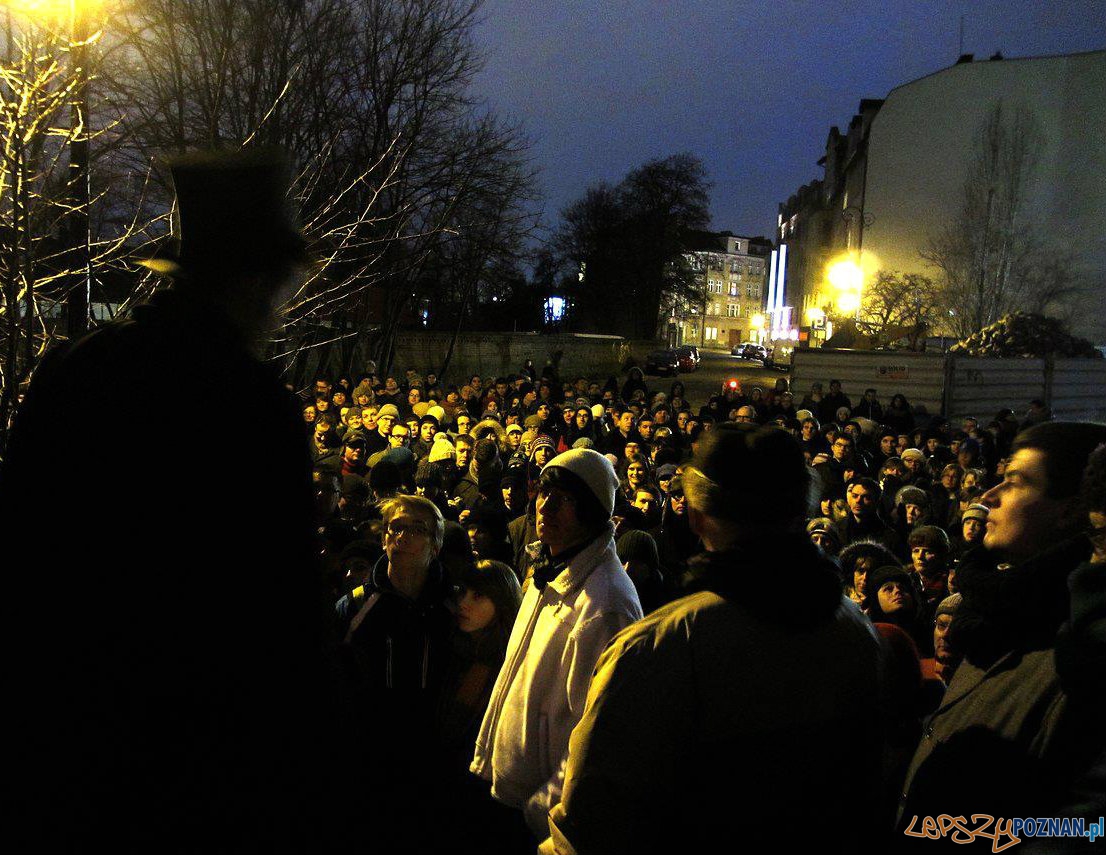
(580, 598)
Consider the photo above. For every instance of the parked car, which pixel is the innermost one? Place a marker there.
(689, 357)
(662, 362)
(749, 350)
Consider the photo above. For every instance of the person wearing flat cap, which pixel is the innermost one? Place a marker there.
(577, 599)
(727, 685)
(170, 699)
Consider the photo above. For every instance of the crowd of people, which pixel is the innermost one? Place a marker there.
(526, 612)
(899, 503)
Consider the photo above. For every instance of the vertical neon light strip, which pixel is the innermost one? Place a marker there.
(781, 295)
(771, 281)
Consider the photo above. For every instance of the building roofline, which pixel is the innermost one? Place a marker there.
(956, 66)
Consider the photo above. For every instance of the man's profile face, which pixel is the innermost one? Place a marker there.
(626, 422)
(1023, 519)
(557, 524)
(660, 417)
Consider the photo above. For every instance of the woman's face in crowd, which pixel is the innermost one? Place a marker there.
(678, 502)
(894, 596)
(309, 415)
(826, 507)
(635, 473)
(475, 612)
(913, 513)
(414, 396)
(903, 442)
(860, 574)
(931, 444)
(542, 455)
(567, 416)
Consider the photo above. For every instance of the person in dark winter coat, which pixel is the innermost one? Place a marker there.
(675, 540)
(668, 712)
(638, 553)
(172, 700)
(396, 647)
(1015, 736)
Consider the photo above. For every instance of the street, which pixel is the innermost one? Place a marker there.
(715, 368)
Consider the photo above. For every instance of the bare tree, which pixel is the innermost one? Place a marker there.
(989, 257)
(373, 98)
(894, 303)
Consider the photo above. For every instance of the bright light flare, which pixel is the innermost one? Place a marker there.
(846, 275)
(848, 301)
(758, 322)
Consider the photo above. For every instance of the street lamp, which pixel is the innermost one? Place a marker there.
(846, 277)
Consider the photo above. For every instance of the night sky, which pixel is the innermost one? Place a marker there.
(751, 88)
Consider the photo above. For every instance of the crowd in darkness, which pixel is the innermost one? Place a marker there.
(899, 501)
(529, 612)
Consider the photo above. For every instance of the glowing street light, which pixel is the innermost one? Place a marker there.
(846, 277)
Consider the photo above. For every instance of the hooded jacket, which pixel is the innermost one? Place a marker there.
(1011, 738)
(729, 681)
(539, 694)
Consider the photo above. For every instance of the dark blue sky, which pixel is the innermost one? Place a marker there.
(751, 88)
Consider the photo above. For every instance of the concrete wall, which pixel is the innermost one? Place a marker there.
(496, 353)
(921, 147)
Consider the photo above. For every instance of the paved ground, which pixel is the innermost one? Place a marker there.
(716, 368)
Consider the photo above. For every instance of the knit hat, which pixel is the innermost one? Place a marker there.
(635, 545)
(420, 408)
(881, 575)
(823, 525)
(515, 428)
(545, 441)
(442, 449)
(402, 457)
(597, 411)
(532, 421)
(976, 512)
(584, 442)
(428, 474)
(584, 473)
(930, 537)
(803, 415)
(949, 605)
(913, 453)
(437, 412)
(388, 410)
(912, 496)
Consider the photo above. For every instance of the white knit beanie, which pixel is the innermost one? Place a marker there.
(593, 469)
(442, 449)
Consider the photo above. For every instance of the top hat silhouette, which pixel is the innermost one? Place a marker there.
(233, 213)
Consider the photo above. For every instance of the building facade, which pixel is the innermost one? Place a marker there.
(897, 177)
(730, 283)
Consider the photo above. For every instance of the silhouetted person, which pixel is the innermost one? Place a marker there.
(162, 659)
